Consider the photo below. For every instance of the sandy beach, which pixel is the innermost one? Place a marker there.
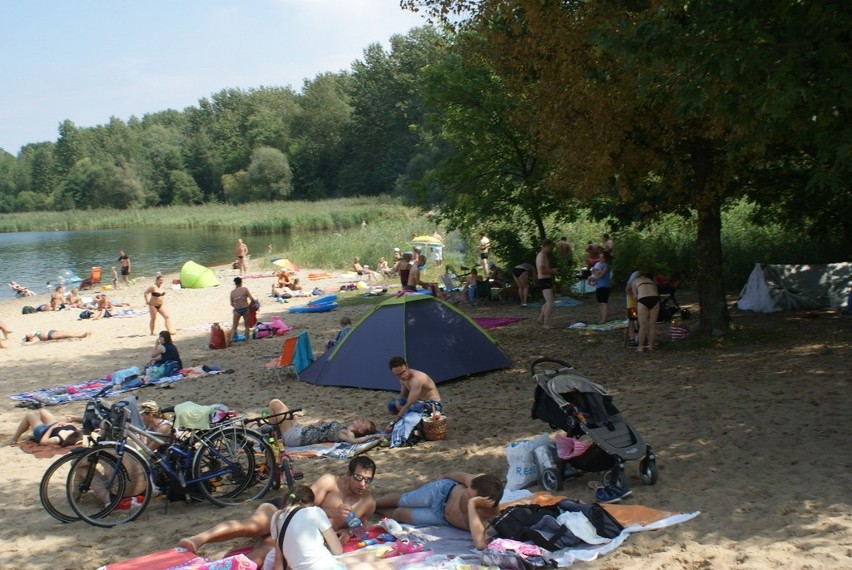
(751, 432)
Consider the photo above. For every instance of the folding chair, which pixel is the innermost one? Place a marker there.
(92, 280)
(285, 359)
(483, 293)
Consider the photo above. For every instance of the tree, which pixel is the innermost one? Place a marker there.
(387, 108)
(490, 174)
(674, 106)
(268, 176)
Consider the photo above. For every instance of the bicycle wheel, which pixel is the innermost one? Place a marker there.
(52, 489)
(266, 474)
(224, 465)
(109, 486)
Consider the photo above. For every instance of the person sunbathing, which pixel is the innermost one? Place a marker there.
(47, 430)
(53, 334)
(20, 290)
(463, 500)
(364, 270)
(103, 307)
(295, 434)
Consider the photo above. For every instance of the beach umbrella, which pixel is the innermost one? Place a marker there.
(426, 240)
(285, 263)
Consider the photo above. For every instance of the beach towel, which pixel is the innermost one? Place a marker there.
(42, 451)
(609, 326)
(162, 560)
(495, 322)
(340, 450)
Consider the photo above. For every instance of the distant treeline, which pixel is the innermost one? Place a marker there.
(345, 134)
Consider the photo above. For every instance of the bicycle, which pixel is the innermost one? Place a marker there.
(52, 487)
(218, 465)
(283, 462)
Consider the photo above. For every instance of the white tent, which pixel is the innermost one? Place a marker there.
(785, 287)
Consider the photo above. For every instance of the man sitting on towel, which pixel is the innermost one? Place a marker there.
(463, 500)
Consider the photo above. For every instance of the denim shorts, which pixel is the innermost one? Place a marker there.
(427, 502)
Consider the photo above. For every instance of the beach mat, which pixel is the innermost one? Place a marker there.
(161, 560)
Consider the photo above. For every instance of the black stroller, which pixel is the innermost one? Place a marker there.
(669, 307)
(566, 400)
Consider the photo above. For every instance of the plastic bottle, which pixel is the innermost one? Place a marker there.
(391, 526)
(356, 527)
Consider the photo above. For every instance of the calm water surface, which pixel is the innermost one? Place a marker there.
(34, 258)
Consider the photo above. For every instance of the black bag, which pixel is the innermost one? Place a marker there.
(515, 522)
(85, 314)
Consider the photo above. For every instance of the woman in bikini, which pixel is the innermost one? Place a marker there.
(154, 421)
(154, 299)
(240, 300)
(644, 290)
(47, 430)
(52, 334)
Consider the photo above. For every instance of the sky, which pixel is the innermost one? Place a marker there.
(89, 60)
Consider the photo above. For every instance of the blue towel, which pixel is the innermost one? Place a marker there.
(304, 354)
(404, 426)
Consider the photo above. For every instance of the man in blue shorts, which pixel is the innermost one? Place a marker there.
(463, 500)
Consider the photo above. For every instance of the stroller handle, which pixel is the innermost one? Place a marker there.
(547, 360)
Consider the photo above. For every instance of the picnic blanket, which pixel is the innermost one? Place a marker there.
(495, 322)
(88, 388)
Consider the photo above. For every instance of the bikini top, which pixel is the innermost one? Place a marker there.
(157, 294)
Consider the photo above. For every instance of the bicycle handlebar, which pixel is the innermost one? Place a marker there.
(288, 415)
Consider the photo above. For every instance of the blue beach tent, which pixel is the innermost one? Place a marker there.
(430, 334)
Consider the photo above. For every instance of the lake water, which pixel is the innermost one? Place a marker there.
(34, 258)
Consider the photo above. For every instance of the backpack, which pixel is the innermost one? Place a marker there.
(28, 310)
(85, 314)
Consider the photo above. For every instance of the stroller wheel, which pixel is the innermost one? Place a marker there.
(550, 480)
(648, 471)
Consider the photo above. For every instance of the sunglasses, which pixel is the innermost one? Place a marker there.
(358, 477)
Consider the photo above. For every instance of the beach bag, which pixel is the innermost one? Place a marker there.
(523, 469)
(262, 330)
(217, 337)
(86, 314)
(27, 310)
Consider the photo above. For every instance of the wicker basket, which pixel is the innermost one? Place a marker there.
(434, 430)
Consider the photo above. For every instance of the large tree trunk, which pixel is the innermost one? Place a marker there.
(708, 255)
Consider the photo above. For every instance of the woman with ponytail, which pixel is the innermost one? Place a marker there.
(303, 535)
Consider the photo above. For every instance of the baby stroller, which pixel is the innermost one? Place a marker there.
(566, 400)
(669, 307)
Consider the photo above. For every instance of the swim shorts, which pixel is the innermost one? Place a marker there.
(545, 283)
(427, 502)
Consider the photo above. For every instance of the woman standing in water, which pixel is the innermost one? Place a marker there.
(156, 304)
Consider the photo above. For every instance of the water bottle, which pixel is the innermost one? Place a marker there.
(391, 526)
(356, 527)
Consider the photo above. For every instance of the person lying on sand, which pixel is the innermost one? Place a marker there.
(295, 434)
(337, 495)
(53, 334)
(47, 430)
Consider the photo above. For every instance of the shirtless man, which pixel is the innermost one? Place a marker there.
(545, 273)
(415, 386)
(337, 495)
(241, 251)
(463, 500)
(414, 274)
(124, 262)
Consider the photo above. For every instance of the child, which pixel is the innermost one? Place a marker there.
(114, 278)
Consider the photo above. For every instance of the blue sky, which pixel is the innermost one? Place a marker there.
(89, 60)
